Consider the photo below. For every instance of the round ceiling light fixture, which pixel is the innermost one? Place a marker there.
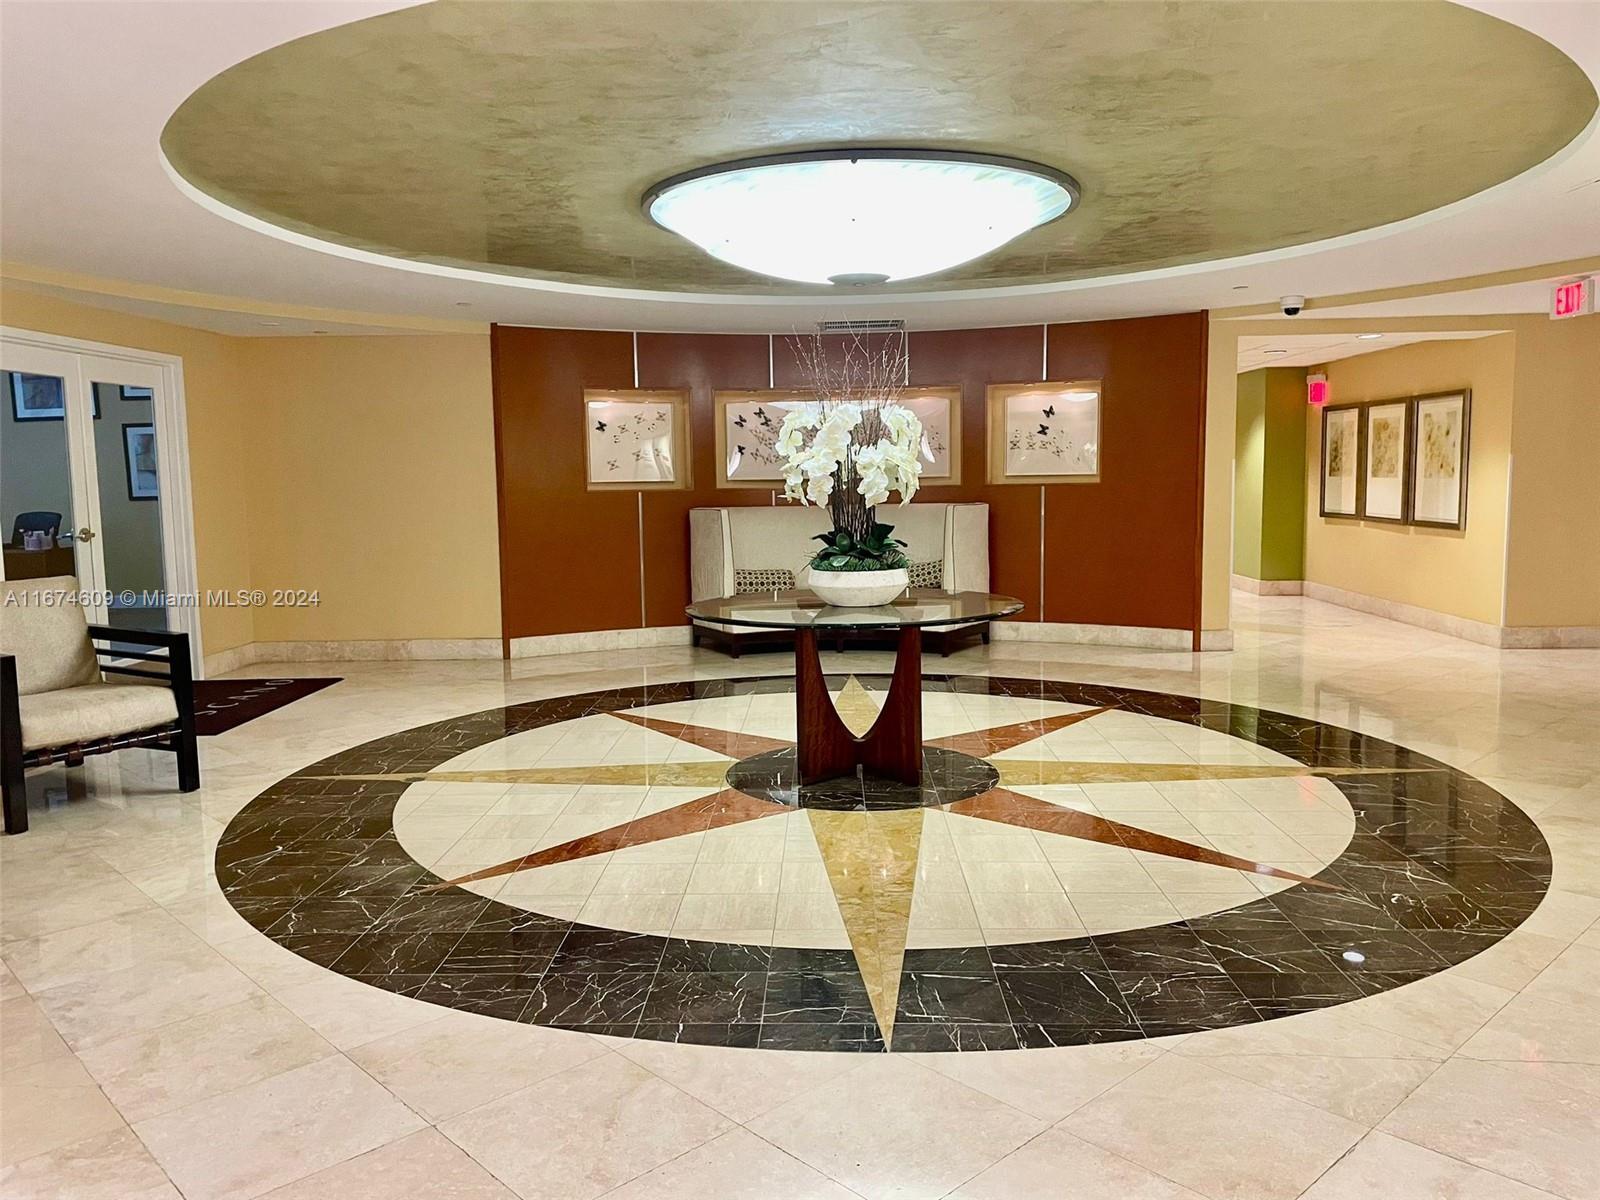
(855, 217)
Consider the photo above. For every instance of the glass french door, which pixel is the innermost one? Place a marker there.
(80, 479)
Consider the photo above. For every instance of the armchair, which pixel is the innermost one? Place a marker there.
(62, 695)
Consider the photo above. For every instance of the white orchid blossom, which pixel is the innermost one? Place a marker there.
(813, 467)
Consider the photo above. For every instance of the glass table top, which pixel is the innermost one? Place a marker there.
(803, 610)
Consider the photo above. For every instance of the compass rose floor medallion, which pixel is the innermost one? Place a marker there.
(1079, 864)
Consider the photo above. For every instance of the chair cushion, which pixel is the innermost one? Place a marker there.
(762, 579)
(927, 574)
(50, 640)
(93, 710)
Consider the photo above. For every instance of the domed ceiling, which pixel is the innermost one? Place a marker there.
(519, 138)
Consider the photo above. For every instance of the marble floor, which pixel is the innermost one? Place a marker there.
(262, 989)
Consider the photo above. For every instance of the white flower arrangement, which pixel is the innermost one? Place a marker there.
(877, 446)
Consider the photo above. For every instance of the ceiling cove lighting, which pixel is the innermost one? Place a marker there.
(859, 217)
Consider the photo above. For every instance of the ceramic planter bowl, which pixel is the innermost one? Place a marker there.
(858, 589)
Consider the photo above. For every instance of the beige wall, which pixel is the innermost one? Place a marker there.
(373, 483)
(1555, 479)
(1460, 572)
(358, 467)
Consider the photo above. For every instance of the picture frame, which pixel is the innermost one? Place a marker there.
(1044, 432)
(140, 462)
(39, 397)
(1341, 462)
(1386, 460)
(1440, 459)
(748, 421)
(636, 439)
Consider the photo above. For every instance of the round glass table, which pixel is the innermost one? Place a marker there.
(826, 748)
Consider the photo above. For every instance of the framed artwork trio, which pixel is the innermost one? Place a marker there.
(638, 439)
(1403, 461)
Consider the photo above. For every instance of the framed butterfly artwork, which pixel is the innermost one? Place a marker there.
(636, 440)
(1044, 432)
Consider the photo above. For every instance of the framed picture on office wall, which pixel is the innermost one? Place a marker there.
(1439, 459)
(636, 439)
(140, 462)
(1341, 461)
(1386, 459)
(1044, 432)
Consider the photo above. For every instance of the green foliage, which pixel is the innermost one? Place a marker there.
(842, 551)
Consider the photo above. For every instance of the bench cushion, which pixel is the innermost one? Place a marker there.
(93, 710)
(50, 641)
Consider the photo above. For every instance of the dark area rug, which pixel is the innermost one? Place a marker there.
(224, 704)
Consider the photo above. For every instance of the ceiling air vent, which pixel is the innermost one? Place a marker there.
(885, 326)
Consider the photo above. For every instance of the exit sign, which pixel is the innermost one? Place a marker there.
(1572, 299)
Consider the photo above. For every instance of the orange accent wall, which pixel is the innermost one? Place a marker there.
(1123, 551)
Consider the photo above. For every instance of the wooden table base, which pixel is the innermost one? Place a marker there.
(892, 747)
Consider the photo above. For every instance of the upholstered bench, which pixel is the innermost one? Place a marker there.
(764, 548)
(56, 702)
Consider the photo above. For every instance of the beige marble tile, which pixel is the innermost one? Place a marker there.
(49, 1105)
(1047, 1084)
(1039, 1170)
(736, 1166)
(107, 1166)
(68, 903)
(104, 1007)
(424, 1164)
(1507, 1118)
(1384, 1166)
(1572, 979)
(26, 1035)
(1184, 1119)
(52, 959)
(1531, 1029)
(871, 1135)
(270, 1133)
(737, 1083)
(461, 1061)
(1329, 1032)
(1363, 1090)
(187, 1060)
(1444, 1009)
(273, 968)
(600, 1124)
(349, 1013)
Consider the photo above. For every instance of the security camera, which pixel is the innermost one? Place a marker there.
(1291, 305)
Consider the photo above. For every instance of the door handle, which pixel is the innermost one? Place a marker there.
(86, 534)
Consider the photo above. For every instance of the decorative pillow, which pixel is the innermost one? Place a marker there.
(927, 574)
(764, 579)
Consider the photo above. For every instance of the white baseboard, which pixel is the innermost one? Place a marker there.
(1268, 587)
(394, 650)
(601, 639)
(1502, 637)
(1139, 636)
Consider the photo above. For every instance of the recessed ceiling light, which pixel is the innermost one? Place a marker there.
(271, 323)
(856, 217)
(1368, 337)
